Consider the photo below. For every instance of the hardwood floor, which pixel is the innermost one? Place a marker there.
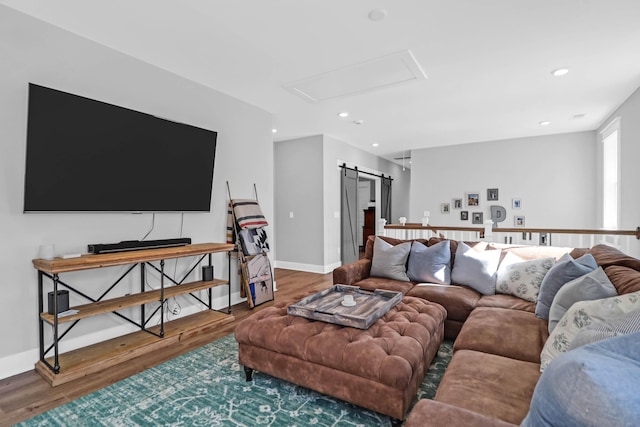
(28, 394)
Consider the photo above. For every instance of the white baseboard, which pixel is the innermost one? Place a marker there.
(22, 362)
(311, 268)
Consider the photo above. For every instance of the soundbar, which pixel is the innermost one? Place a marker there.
(135, 245)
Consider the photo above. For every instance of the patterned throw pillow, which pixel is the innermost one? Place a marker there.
(390, 261)
(580, 316)
(522, 278)
(598, 331)
(591, 286)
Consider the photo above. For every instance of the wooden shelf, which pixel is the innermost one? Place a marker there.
(91, 359)
(84, 361)
(107, 306)
(87, 262)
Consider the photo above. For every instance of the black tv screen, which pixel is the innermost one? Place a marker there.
(85, 155)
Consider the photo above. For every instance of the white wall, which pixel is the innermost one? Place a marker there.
(33, 51)
(555, 176)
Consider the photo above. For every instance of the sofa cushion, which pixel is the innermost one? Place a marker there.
(522, 278)
(565, 270)
(595, 385)
(459, 301)
(606, 255)
(581, 315)
(594, 285)
(478, 246)
(373, 283)
(430, 264)
(430, 413)
(506, 301)
(625, 279)
(390, 261)
(510, 333)
(476, 269)
(608, 328)
(495, 386)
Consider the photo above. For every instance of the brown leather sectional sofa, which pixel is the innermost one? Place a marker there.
(498, 338)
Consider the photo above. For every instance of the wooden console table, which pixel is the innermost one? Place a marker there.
(61, 368)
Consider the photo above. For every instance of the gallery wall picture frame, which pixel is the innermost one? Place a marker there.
(476, 218)
(457, 203)
(492, 194)
(516, 203)
(472, 199)
(464, 215)
(518, 221)
(445, 208)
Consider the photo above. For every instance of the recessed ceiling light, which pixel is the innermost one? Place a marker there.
(377, 15)
(544, 123)
(375, 144)
(560, 72)
(274, 130)
(343, 114)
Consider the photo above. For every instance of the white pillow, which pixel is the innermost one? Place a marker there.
(581, 315)
(390, 261)
(522, 278)
(476, 270)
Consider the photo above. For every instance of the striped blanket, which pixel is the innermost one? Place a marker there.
(248, 215)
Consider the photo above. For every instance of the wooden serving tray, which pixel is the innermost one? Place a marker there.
(327, 306)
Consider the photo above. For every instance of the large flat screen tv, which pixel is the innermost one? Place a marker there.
(85, 155)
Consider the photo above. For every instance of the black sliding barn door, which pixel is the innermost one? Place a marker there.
(385, 202)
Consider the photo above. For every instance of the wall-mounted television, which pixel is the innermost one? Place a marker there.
(85, 155)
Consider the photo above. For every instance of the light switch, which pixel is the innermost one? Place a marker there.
(291, 214)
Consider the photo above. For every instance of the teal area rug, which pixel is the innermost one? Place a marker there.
(206, 387)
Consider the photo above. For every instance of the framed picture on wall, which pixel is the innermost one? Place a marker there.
(472, 199)
(492, 194)
(457, 203)
(518, 221)
(516, 203)
(464, 215)
(445, 208)
(476, 218)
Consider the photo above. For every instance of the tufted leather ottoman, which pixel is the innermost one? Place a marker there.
(379, 368)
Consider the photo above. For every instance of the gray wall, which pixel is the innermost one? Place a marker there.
(555, 176)
(33, 51)
(299, 189)
(307, 180)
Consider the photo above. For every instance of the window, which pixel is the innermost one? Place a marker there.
(610, 162)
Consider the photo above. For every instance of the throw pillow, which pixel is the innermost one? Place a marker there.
(609, 328)
(596, 385)
(581, 315)
(522, 278)
(430, 264)
(594, 285)
(565, 270)
(390, 261)
(476, 270)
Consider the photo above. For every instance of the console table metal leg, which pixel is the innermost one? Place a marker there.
(56, 362)
(229, 281)
(40, 310)
(162, 301)
(143, 279)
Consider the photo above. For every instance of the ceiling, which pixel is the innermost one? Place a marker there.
(488, 63)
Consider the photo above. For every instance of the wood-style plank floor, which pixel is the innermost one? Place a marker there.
(25, 395)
